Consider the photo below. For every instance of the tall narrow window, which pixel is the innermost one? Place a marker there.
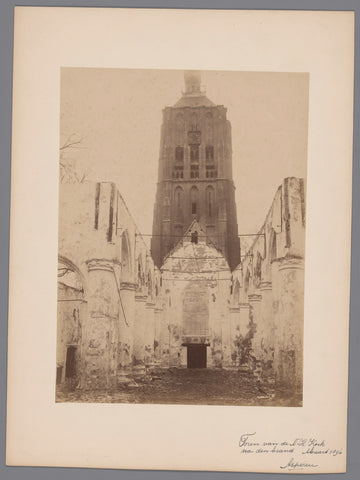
(179, 154)
(194, 153)
(210, 201)
(178, 171)
(209, 153)
(194, 199)
(178, 197)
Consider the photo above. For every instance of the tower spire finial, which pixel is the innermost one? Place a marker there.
(192, 79)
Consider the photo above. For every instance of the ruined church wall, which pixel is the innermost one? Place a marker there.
(133, 317)
(272, 284)
(71, 312)
(99, 237)
(195, 285)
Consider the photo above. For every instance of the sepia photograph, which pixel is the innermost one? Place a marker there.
(181, 241)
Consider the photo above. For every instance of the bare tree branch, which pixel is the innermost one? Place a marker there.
(70, 143)
(68, 167)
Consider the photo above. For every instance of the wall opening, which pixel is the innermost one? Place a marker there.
(70, 371)
(196, 356)
(194, 200)
(194, 237)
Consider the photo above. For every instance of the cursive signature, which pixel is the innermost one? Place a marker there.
(292, 465)
(244, 440)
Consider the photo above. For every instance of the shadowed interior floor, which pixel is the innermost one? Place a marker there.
(189, 387)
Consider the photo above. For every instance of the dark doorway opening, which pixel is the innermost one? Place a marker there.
(196, 356)
(70, 370)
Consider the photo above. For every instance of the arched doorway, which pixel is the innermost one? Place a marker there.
(70, 314)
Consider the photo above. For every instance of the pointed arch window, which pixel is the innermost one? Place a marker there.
(178, 171)
(179, 202)
(166, 207)
(194, 200)
(209, 153)
(194, 153)
(210, 201)
(179, 154)
(178, 199)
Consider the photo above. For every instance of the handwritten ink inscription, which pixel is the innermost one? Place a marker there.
(293, 449)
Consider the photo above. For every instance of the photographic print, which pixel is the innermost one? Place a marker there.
(182, 207)
(180, 239)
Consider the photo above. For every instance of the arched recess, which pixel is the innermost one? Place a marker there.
(71, 273)
(166, 207)
(125, 258)
(209, 153)
(210, 201)
(194, 201)
(179, 154)
(178, 202)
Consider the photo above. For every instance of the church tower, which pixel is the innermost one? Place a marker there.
(195, 175)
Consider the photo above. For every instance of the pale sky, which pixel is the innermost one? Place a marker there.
(117, 113)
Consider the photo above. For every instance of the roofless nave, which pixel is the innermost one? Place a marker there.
(194, 301)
